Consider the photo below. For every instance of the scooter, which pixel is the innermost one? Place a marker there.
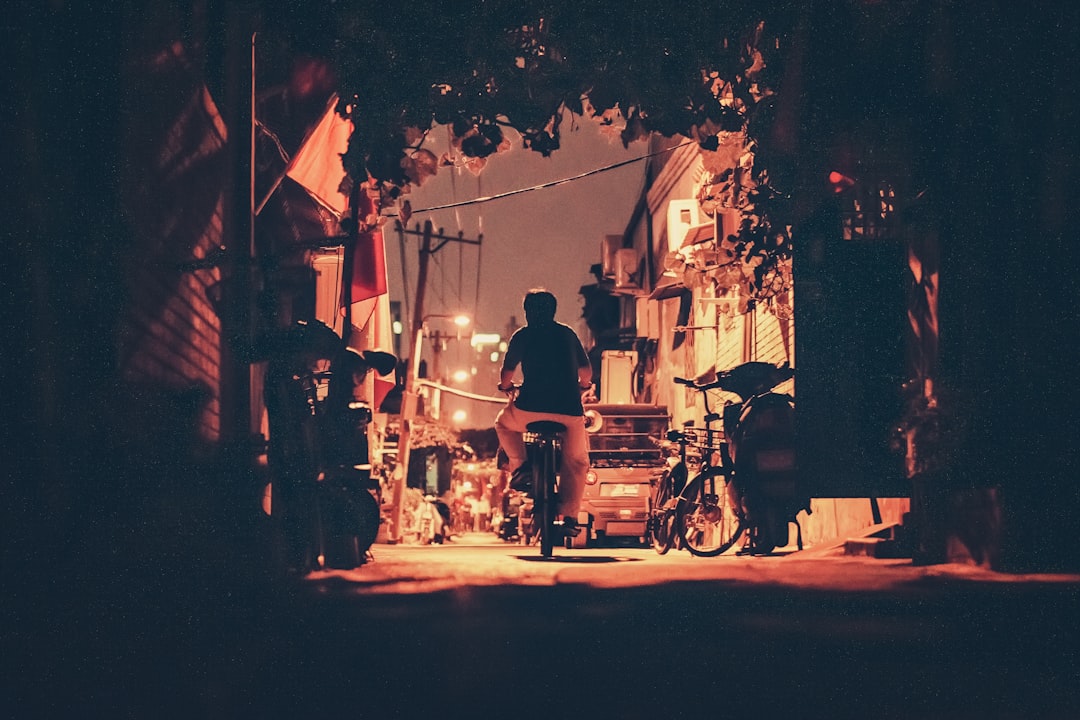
(508, 528)
(760, 430)
(428, 522)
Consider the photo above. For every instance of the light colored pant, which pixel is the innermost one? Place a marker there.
(510, 424)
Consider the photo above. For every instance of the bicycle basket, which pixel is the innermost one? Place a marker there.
(704, 439)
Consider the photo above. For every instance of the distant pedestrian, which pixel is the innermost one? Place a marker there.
(482, 515)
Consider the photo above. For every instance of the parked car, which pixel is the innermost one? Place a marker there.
(625, 458)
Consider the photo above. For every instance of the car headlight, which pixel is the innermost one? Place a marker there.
(590, 477)
(593, 421)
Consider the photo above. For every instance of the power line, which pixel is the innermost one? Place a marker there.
(479, 248)
(544, 186)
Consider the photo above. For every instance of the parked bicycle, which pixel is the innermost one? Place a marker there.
(706, 517)
(759, 452)
(696, 514)
(660, 527)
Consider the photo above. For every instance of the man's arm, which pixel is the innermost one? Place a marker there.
(584, 366)
(510, 362)
(584, 375)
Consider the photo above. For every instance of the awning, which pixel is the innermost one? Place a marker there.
(698, 234)
(668, 286)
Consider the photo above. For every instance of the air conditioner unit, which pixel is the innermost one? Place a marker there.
(610, 245)
(627, 269)
(327, 267)
(648, 318)
(681, 216)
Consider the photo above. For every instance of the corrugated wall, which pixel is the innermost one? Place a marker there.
(169, 353)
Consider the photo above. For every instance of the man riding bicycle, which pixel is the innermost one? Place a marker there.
(555, 371)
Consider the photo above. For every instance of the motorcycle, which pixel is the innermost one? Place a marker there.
(428, 522)
(508, 528)
(321, 496)
(760, 430)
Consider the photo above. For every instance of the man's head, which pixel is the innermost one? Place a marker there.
(539, 306)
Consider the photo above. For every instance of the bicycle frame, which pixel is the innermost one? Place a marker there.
(758, 460)
(705, 519)
(663, 503)
(542, 446)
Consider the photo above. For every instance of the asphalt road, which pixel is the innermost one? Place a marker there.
(493, 629)
(489, 630)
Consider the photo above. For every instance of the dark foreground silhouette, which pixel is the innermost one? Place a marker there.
(194, 647)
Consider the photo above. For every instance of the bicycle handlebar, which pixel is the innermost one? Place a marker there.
(702, 438)
(515, 388)
(745, 380)
(702, 388)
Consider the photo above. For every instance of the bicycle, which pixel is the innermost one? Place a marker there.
(543, 448)
(757, 454)
(664, 501)
(706, 519)
(706, 516)
(543, 453)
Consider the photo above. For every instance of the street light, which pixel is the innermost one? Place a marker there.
(408, 415)
(461, 321)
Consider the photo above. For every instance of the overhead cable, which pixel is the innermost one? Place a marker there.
(544, 186)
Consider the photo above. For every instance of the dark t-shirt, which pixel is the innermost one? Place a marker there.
(550, 355)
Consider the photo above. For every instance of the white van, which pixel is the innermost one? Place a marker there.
(626, 459)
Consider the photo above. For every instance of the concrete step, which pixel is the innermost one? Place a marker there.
(886, 541)
(881, 548)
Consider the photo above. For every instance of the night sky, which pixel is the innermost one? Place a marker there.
(547, 237)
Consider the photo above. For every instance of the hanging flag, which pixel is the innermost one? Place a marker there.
(364, 301)
(370, 303)
(379, 336)
(368, 266)
(317, 164)
(376, 333)
(317, 168)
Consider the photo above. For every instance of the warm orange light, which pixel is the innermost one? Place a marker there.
(590, 478)
(840, 181)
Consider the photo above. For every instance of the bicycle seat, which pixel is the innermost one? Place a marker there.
(545, 427)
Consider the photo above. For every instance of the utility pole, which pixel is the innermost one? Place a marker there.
(410, 398)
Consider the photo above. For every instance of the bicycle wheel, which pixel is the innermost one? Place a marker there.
(545, 482)
(348, 521)
(704, 518)
(663, 536)
(661, 519)
(662, 512)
